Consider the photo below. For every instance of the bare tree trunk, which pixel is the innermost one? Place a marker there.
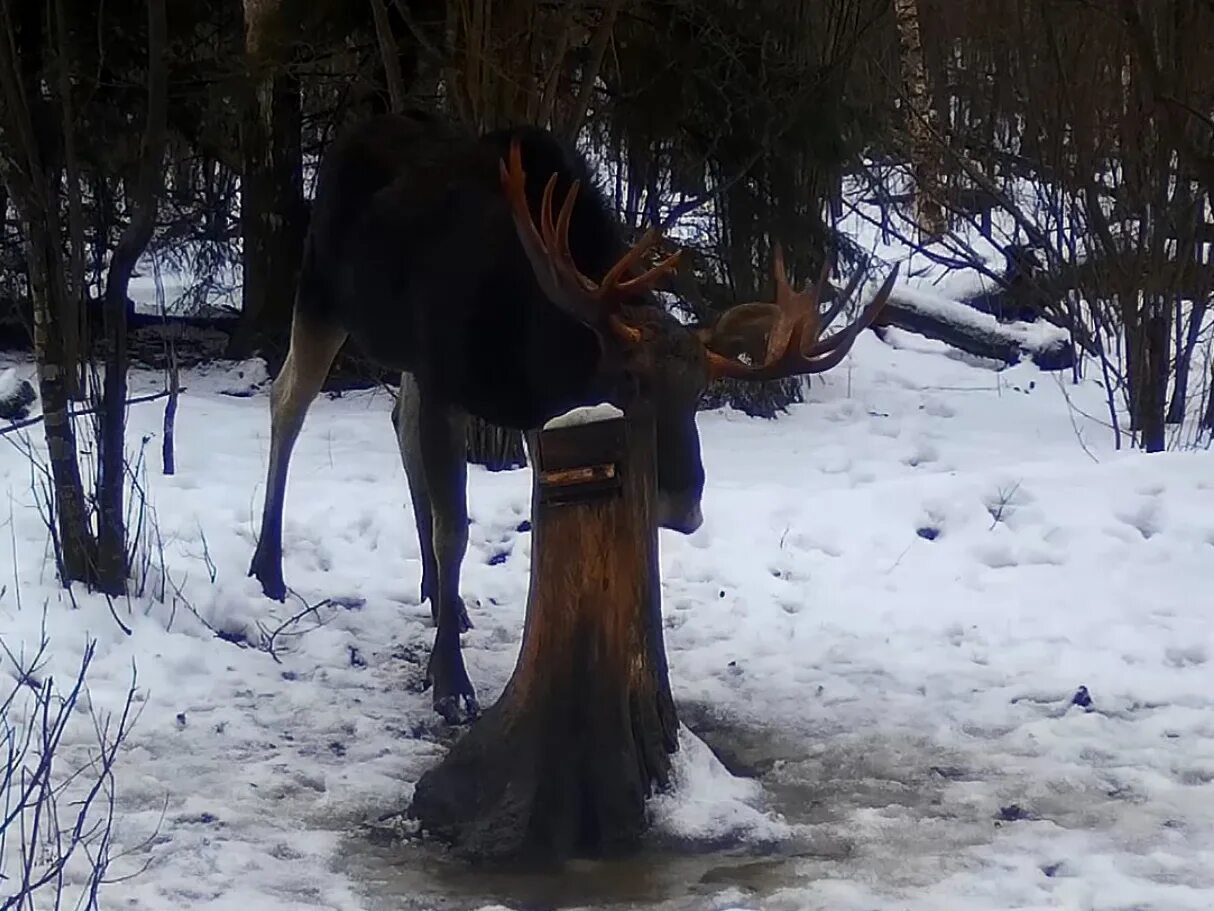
(495, 448)
(389, 53)
(273, 216)
(36, 197)
(168, 452)
(590, 70)
(1149, 398)
(111, 526)
(1184, 361)
(1174, 116)
(1207, 419)
(77, 548)
(929, 214)
(72, 316)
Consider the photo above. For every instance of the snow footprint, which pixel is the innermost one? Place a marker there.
(1143, 516)
(937, 408)
(997, 556)
(1186, 656)
(810, 541)
(924, 452)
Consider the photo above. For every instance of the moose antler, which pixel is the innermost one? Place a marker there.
(794, 326)
(594, 303)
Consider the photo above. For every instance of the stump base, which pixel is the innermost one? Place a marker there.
(562, 764)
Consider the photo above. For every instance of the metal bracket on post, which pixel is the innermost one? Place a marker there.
(580, 455)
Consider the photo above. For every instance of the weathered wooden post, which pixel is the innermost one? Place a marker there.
(562, 764)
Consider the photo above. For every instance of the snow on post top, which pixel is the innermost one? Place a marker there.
(587, 414)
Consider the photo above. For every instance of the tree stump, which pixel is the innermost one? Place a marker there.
(562, 764)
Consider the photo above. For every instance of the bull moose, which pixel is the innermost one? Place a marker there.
(424, 247)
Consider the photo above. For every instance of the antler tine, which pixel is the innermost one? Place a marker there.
(789, 354)
(841, 300)
(812, 322)
(798, 311)
(546, 228)
(611, 281)
(649, 278)
(547, 248)
(866, 318)
(823, 277)
(784, 290)
(561, 233)
(563, 219)
(514, 182)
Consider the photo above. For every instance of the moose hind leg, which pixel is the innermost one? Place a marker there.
(406, 418)
(314, 345)
(440, 438)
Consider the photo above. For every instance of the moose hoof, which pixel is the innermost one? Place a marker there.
(452, 689)
(465, 622)
(449, 709)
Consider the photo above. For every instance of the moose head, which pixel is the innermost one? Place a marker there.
(647, 355)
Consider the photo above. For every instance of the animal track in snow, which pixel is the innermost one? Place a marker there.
(1143, 517)
(996, 556)
(809, 542)
(938, 408)
(923, 453)
(1189, 656)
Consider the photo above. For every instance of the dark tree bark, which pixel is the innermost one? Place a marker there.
(1152, 377)
(111, 472)
(1207, 419)
(72, 317)
(168, 450)
(495, 448)
(77, 547)
(273, 216)
(563, 763)
(921, 121)
(26, 146)
(1185, 349)
(390, 55)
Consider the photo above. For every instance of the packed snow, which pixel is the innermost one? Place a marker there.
(882, 628)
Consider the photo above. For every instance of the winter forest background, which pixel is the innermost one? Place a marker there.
(1043, 173)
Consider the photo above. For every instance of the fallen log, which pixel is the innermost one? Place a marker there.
(562, 764)
(980, 334)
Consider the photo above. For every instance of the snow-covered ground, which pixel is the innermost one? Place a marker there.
(897, 591)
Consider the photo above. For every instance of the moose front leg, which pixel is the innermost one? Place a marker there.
(314, 345)
(433, 439)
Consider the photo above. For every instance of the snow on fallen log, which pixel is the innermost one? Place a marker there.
(980, 334)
